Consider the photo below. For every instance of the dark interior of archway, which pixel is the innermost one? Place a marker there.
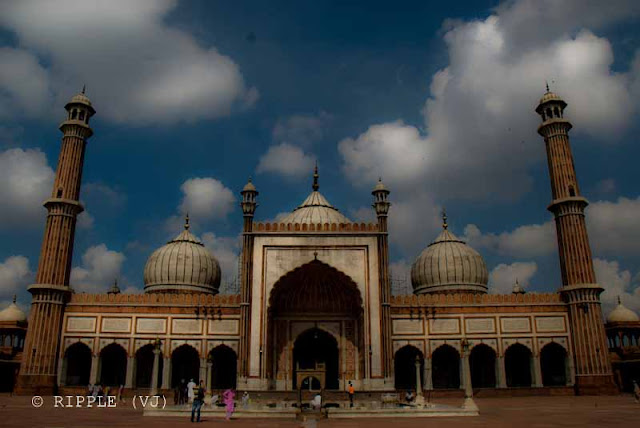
(317, 346)
(316, 287)
(553, 365)
(78, 364)
(224, 369)
(144, 367)
(185, 365)
(405, 368)
(113, 363)
(446, 368)
(517, 362)
(482, 361)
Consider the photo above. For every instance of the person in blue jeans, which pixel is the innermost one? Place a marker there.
(198, 401)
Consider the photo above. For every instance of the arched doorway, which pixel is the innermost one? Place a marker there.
(113, 365)
(405, 367)
(482, 361)
(144, 367)
(517, 362)
(185, 365)
(313, 349)
(319, 295)
(553, 363)
(224, 367)
(446, 368)
(78, 364)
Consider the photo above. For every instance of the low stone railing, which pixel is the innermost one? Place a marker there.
(311, 227)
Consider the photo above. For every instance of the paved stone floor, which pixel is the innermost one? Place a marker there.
(519, 412)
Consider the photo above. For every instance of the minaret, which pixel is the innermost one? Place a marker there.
(579, 287)
(381, 206)
(249, 205)
(51, 290)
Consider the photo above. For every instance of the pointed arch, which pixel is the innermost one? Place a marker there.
(113, 365)
(224, 367)
(553, 364)
(185, 365)
(482, 361)
(77, 360)
(405, 367)
(446, 367)
(517, 361)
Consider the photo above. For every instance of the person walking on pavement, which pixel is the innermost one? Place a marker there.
(198, 400)
(352, 392)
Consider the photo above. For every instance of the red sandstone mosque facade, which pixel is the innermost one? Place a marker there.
(315, 307)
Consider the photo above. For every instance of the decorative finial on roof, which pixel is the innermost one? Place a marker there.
(15, 298)
(114, 289)
(84, 88)
(186, 222)
(444, 219)
(547, 85)
(619, 301)
(315, 186)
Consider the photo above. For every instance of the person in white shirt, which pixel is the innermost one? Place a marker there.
(316, 403)
(190, 387)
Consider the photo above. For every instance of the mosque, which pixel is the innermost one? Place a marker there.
(315, 308)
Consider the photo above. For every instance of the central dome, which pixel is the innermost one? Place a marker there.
(449, 265)
(183, 265)
(315, 209)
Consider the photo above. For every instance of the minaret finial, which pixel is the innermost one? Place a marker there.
(547, 85)
(186, 222)
(315, 186)
(15, 298)
(444, 219)
(619, 301)
(84, 88)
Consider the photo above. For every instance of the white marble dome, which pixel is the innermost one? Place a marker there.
(622, 314)
(183, 265)
(449, 265)
(13, 313)
(315, 209)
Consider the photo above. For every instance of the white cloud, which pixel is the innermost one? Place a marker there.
(287, 160)
(532, 240)
(85, 220)
(138, 68)
(363, 214)
(24, 83)
(606, 186)
(206, 199)
(26, 181)
(100, 267)
(616, 283)
(225, 249)
(479, 139)
(14, 275)
(503, 277)
(613, 227)
(300, 129)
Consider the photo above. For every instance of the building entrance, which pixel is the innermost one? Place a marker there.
(315, 351)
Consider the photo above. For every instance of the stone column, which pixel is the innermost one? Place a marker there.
(166, 373)
(502, 373)
(428, 378)
(537, 372)
(571, 369)
(208, 381)
(203, 369)
(419, 396)
(466, 371)
(128, 383)
(93, 377)
(154, 372)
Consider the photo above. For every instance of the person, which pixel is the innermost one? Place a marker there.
(316, 403)
(198, 400)
(176, 395)
(214, 399)
(409, 396)
(94, 393)
(121, 393)
(352, 392)
(636, 391)
(245, 400)
(228, 397)
(190, 387)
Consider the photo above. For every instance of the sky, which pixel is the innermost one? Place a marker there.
(436, 98)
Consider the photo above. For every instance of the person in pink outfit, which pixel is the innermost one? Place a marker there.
(228, 397)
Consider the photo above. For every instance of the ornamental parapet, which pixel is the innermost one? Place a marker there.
(425, 300)
(313, 227)
(159, 299)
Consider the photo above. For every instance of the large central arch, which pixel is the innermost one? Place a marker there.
(312, 297)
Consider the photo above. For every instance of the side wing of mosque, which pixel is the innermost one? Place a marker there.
(315, 308)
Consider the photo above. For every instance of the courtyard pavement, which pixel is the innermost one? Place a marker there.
(519, 412)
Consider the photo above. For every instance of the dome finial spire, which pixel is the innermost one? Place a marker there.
(619, 301)
(547, 85)
(15, 298)
(315, 185)
(84, 88)
(444, 219)
(186, 222)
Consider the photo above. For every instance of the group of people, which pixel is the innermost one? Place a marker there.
(195, 394)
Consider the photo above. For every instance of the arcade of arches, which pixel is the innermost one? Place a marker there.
(443, 370)
(112, 366)
(315, 321)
